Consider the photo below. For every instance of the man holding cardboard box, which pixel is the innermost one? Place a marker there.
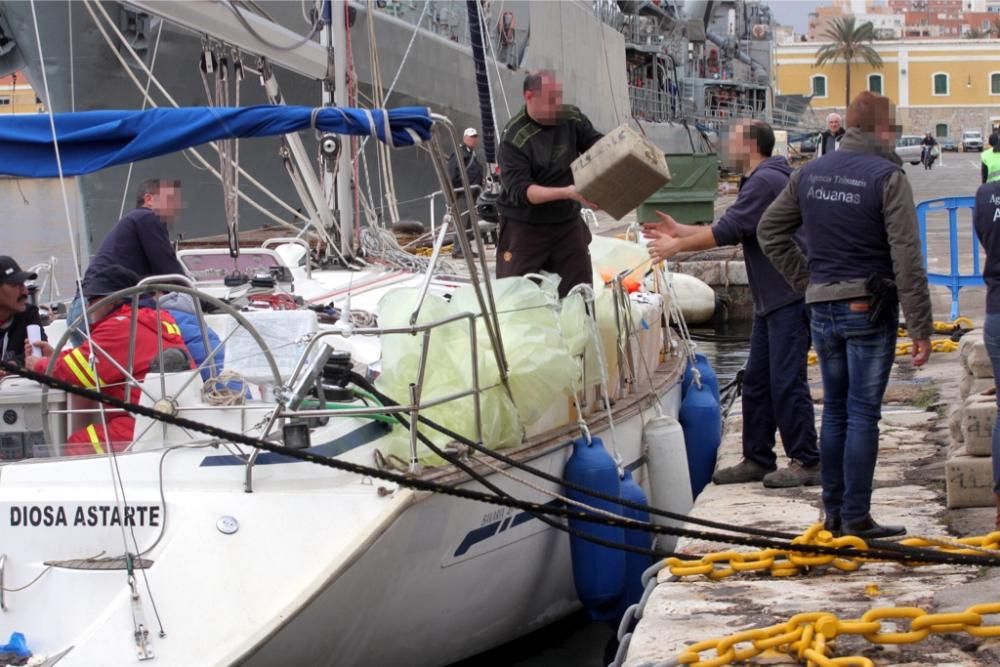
(540, 224)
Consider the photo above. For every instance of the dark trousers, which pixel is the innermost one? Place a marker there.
(855, 358)
(776, 389)
(562, 248)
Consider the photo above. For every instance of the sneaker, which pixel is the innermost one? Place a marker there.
(867, 529)
(742, 472)
(794, 474)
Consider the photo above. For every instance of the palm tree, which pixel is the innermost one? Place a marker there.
(850, 43)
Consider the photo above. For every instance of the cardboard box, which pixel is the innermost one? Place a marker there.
(620, 171)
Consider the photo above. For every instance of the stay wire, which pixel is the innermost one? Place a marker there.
(877, 550)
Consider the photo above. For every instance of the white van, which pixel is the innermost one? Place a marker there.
(972, 140)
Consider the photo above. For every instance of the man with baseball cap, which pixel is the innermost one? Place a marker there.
(113, 339)
(16, 312)
(474, 169)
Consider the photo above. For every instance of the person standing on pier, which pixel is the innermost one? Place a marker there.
(862, 259)
(986, 220)
(775, 387)
(829, 139)
(540, 224)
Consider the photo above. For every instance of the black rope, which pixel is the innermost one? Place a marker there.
(386, 400)
(875, 550)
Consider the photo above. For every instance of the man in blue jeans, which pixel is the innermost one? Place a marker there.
(987, 219)
(856, 209)
(775, 387)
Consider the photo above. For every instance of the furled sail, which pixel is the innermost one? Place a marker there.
(93, 140)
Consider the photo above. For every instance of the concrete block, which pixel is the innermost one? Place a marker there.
(977, 427)
(971, 385)
(973, 355)
(955, 425)
(969, 481)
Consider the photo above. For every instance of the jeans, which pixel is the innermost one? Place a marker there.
(855, 358)
(77, 336)
(991, 335)
(776, 389)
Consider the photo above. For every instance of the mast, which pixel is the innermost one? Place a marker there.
(335, 36)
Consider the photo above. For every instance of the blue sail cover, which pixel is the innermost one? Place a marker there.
(93, 140)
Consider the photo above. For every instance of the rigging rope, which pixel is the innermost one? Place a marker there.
(170, 99)
(145, 101)
(117, 483)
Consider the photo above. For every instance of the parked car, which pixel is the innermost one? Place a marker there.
(972, 140)
(948, 144)
(908, 148)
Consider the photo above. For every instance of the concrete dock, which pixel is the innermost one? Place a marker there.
(910, 489)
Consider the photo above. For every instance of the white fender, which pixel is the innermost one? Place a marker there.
(694, 297)
(669, 480)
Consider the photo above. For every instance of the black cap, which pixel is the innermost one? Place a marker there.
(109, 280)
(11, 273)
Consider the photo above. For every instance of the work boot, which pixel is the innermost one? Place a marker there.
(996, 497)
(742, 472)
(867, 529)
(832, 524)
(794, 474)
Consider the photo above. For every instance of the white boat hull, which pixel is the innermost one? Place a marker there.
(325, 567)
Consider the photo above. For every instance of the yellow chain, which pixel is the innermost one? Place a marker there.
(782, 563)
(806, 636)
(936, 346)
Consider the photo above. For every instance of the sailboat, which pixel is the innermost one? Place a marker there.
(193, 548)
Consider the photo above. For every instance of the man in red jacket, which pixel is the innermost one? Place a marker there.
(109, 345)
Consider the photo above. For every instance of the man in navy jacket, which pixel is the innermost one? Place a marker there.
(140, 241)
(775, 388)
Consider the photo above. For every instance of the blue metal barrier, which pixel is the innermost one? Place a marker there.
(955, 280)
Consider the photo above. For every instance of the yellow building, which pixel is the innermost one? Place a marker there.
(17, 96)
(939, 86)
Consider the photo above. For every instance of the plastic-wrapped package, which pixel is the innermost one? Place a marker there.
(541, 369)
(448, 370)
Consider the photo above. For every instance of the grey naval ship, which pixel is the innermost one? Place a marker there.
(679, 69)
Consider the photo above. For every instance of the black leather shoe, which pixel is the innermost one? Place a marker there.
(832, 524)
(867, 529)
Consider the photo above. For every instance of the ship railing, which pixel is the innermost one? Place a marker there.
(649, 103)
(318, 350)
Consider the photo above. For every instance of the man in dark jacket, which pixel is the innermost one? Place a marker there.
(830, 138)
(540, 224)
(474, 170)
(775, 387)
(855, 209)
(987, 224)
(16, 312)
(140, 241)
(467, 154)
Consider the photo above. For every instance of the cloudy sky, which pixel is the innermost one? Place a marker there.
(794, 12)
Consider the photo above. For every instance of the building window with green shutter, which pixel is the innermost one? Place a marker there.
(941, 130)
(940, 84)
(875, 83)
(819, 85)
(994, 83)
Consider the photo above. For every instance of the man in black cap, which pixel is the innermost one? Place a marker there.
(16, 313)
